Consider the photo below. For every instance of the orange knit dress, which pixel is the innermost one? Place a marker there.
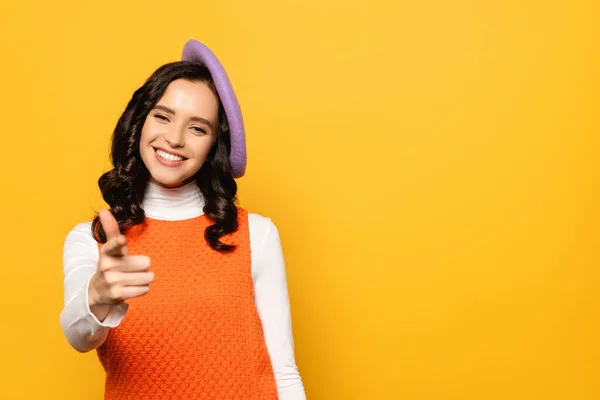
(196, 334)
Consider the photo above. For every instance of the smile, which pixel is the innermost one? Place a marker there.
(168, 159)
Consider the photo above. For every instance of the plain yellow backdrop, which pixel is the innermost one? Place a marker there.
(431, 166)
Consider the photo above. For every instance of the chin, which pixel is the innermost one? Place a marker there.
(167, 177)
(169, 182)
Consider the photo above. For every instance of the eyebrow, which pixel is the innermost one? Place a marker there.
(194, 118)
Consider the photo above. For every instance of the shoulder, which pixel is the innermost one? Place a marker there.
(261, 225)
(80, 233)
(259, 222)
(79, 245)
(262, 231)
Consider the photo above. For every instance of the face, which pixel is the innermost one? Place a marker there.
(179, 132)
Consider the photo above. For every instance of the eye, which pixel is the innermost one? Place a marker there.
(161, 117)
(198, 129)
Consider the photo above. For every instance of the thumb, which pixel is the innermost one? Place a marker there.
(109, 224)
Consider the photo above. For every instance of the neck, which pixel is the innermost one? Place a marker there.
(178, 203)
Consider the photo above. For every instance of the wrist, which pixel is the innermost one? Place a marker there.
(91, 294)
(101, 311)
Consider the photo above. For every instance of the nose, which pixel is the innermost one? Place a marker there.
(174, 137)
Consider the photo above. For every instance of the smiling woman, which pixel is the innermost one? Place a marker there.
(175, 137)
(216, 323)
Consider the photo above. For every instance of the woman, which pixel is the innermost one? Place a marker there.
(182, 293)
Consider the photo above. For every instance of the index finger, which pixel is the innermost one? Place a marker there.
(109, 224)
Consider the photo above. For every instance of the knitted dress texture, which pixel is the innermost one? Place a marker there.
(196, 334)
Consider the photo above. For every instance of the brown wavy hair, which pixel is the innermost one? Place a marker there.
(123, 187)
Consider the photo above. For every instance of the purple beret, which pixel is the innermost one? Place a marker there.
(193, 50)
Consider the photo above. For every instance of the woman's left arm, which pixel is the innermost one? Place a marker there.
(273, 305)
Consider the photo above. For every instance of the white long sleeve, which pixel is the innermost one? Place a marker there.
(80, 326)
(272, 302)
(85, 332)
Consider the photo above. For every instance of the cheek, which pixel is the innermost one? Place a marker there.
(201, 149)
(150, 131)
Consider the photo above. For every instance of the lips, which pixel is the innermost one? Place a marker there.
(166, 159)
(169, 152)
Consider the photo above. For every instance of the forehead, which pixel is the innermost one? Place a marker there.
(190, 98)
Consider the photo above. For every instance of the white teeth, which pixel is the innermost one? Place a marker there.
(167, 156)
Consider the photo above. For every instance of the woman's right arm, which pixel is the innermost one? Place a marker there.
(82, 328)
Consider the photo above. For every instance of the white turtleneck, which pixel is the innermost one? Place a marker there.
(85, 332)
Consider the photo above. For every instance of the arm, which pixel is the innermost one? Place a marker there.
(272, 303)
(82, 329)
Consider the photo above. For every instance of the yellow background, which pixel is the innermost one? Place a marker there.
(431, 166)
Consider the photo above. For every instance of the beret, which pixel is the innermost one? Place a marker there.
(193, 50)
